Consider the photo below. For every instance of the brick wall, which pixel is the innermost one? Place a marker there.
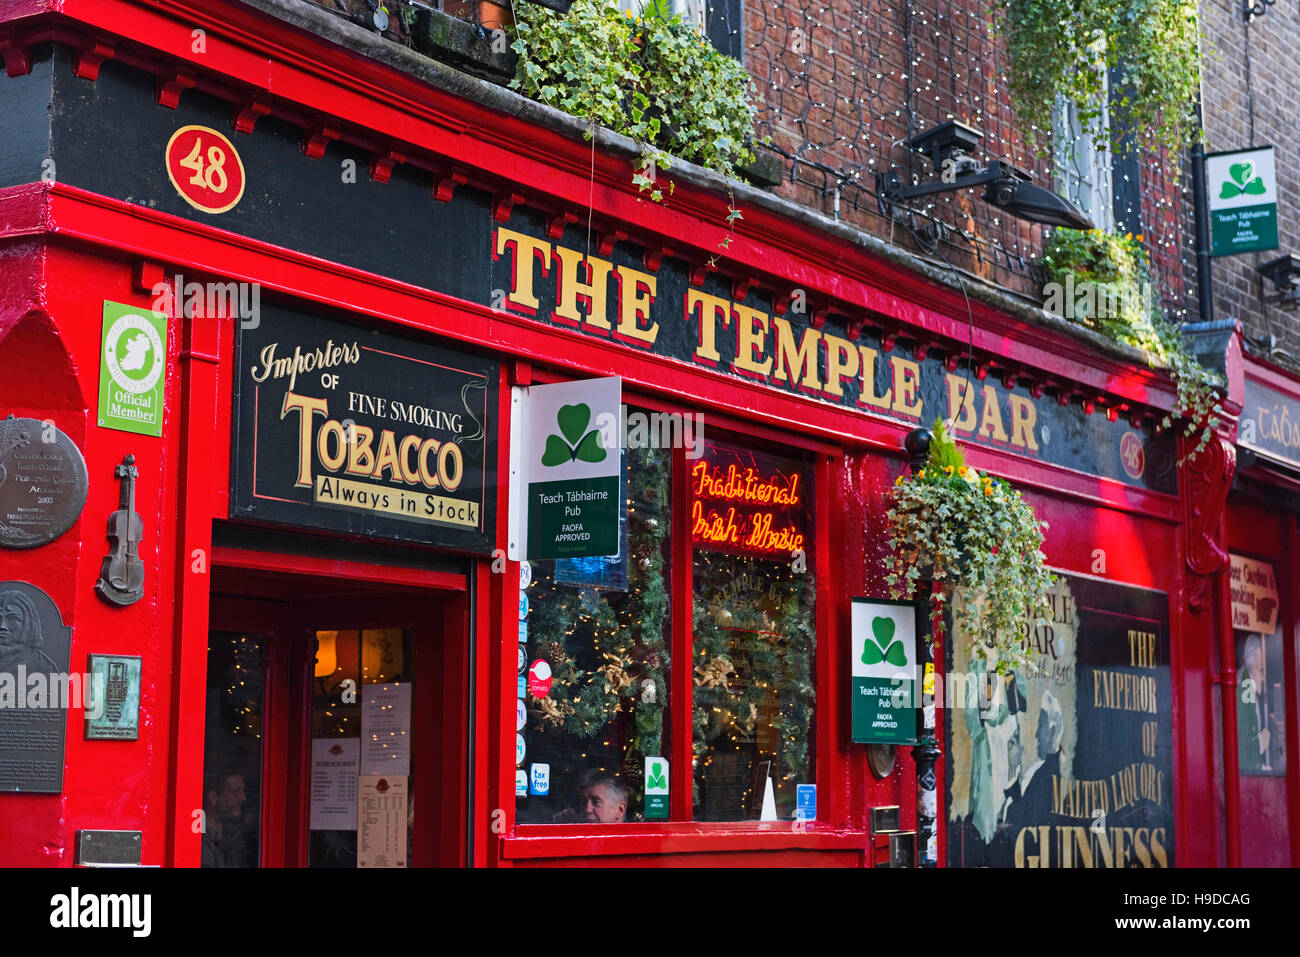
(844, 83)
(1251, 97)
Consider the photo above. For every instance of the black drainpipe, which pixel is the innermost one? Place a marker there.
(1204, 278)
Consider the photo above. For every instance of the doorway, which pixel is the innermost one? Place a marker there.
(336, 723)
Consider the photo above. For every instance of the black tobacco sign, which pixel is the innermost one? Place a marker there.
(359, 431)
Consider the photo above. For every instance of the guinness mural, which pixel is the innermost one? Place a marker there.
(1068, 763)
(359, 431)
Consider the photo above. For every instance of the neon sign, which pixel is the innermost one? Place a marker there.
(740, 507)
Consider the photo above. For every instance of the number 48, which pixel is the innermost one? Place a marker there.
(215, 171)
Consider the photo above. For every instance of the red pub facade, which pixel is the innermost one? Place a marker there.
(335, 265)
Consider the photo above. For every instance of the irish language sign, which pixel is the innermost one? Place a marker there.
(1068, 762)
(884, 671)
(1270, 424)
(566, 468)
(1243, 201)
(364, 432)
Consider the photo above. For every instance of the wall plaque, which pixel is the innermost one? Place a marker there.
(108, 848)
(42, 483)
(360, 431)
(113, 712)
(35, 689)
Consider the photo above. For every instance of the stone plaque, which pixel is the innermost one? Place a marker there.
(42, 483)
(35, 689)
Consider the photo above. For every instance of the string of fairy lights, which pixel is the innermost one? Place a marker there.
(243, 686)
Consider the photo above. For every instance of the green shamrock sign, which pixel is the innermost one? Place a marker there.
(657, 780)
(1243, 180)
(882, 646)
(574, 441)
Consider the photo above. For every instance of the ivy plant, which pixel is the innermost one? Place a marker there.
(956, 526)
(1066, 49)
(653, 79)
(1108, 278)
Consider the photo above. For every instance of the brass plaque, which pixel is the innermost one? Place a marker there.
(885, 820)
(100, 848)
(43, 483)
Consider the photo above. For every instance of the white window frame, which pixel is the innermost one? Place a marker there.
(1082, 169)
(693, 11)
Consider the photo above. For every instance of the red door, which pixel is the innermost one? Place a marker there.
(335, 727)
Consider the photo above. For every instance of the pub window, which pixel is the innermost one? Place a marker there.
(753, 633)
(718, 20)
(594, 662)
(232, 752)
(596, 645)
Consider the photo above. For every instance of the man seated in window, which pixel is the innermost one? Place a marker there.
(602, 799)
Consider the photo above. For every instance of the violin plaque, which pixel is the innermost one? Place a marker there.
(42, 483)
(121, 574)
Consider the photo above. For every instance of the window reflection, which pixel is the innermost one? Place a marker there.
(232, 752)
(600, 629)
(754, 629)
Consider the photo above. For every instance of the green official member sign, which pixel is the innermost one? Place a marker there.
(565, 470)
(884, 671)
(1242, 189)
(132, 363)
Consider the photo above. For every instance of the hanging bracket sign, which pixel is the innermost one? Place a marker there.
(1243, 201)
(884, 671)
(565, 466)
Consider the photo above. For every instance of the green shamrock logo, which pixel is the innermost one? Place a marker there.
(657, 779)
(1243, 180)
(882, 646)
(577, 442)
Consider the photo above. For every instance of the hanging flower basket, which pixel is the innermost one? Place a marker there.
(954, 525)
